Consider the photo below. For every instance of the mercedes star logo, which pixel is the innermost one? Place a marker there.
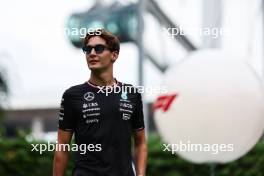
(89, 96)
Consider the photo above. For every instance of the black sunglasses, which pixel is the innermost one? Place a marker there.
(97, 48)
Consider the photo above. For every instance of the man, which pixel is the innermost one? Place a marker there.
(103, 122)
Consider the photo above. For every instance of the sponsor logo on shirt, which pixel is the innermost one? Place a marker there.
(126, 109)
(126, 116)
(89, 105)
(126, 105)
(92, 120)
(91, 109)
(124, 95)
(89, 96)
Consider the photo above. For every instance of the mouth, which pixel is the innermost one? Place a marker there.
(93, 61)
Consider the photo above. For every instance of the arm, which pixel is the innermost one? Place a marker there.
(140, 152)
(61, 157)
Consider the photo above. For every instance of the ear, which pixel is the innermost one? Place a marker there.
(114, 56)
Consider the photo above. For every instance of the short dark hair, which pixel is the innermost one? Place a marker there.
(111, 40)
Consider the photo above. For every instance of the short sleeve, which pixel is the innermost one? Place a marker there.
(66, 114)
(138, 116)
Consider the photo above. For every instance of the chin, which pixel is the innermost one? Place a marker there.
(94, 68)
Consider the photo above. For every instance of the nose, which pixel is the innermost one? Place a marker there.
(93, 51)
(92, 54)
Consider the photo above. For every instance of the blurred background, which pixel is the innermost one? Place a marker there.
(40, 57)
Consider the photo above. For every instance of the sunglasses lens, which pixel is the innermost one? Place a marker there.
(99, 49)
(87, 49)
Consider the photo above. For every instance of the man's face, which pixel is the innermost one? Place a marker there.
(99, 61)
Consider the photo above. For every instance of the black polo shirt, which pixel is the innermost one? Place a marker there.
(104, 123)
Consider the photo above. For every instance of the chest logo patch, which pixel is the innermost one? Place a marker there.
(89, 96)
(124, 95)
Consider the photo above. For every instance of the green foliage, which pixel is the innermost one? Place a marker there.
(3, 97)
(17, 159)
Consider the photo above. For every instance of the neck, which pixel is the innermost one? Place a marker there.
(102, 79)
